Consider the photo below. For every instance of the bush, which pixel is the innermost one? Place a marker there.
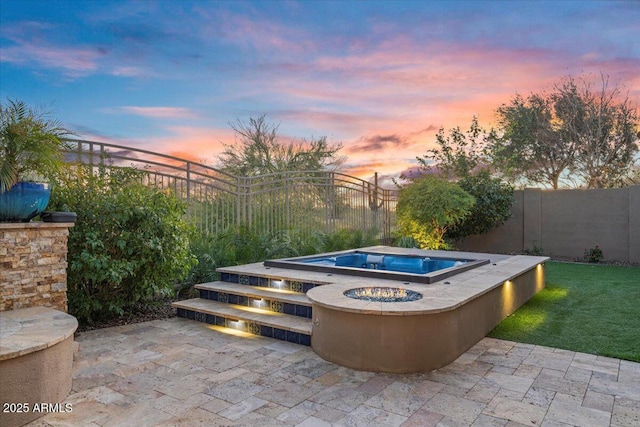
(242, 245)
(492, 208)
(593, 255)
(430, 206)
(129, 246)
(534, 251)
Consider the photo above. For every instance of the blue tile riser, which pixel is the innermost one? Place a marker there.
(249, 327)
(265, 282)
(264, 304)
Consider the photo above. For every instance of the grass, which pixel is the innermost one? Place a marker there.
(587, 308)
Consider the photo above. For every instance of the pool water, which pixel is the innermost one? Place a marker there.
(406, 264)
(382, 265)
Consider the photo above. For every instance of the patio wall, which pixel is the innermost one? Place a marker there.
(33, 265)
(564, 223)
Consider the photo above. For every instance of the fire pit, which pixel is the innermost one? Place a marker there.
(383, 294)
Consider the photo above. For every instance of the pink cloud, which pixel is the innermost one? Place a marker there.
(200, 144)
(160, 112)
(261, 34)
(30, 46)
(410, 91)
(75, 62)
(130, 71)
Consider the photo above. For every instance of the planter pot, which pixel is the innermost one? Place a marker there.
(24, 201)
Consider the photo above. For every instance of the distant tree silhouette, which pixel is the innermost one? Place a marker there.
(258, 150)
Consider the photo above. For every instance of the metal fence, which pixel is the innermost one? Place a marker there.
(300, 200)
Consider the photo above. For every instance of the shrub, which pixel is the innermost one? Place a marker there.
(494, 199)
(130, 243)
(406, 242)
(534, 251)
(593, 255)
(242, 245)
(430, 206)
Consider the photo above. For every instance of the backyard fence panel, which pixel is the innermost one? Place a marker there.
(305, 201)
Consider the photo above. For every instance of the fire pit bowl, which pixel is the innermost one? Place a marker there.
(383, 294)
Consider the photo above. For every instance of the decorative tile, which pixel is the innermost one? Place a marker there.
(200, 317)
(253, 328)
(277, 306)
(296, 286)
(243, 280)
(222, 297)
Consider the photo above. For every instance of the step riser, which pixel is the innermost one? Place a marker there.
(265, 304)
(246, 326)
(265, 282)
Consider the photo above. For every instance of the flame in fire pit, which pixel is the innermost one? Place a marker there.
(383, 294)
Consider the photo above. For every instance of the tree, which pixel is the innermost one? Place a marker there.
(428, 207)
(461, 157)
(606, 135)
(459, 154)
(569, 133)
(258, 151)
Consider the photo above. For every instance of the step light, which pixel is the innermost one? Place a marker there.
(259, 303)
(278, 284)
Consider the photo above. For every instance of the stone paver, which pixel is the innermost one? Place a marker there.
(178, 372)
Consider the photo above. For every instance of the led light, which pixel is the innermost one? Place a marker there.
(279, 284)
(235, 324)
(258, 302)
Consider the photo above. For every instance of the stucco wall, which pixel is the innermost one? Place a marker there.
(40, 377)
(566, 222)
(33, 265)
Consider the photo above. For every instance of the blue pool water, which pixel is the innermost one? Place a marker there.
(385, 263)
(400, 263)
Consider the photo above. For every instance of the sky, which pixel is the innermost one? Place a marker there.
(379, 77)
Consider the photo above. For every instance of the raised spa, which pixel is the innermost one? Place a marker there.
(396, 322)
(412, 267)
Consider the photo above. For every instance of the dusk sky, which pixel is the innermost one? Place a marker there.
(379, 77)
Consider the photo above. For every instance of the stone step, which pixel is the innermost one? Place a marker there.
(247, 319)
(277, 300)
(258, 274)
(257, 292)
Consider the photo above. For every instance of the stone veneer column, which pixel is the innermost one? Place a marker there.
(33, 265)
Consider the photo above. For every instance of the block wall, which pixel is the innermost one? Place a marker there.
(33, 265)
(565, 223)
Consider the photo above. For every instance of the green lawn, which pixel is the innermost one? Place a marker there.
(588, 308)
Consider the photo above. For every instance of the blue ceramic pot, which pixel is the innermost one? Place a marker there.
(24, 201)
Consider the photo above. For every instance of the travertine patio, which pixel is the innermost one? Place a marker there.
(179, 372)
